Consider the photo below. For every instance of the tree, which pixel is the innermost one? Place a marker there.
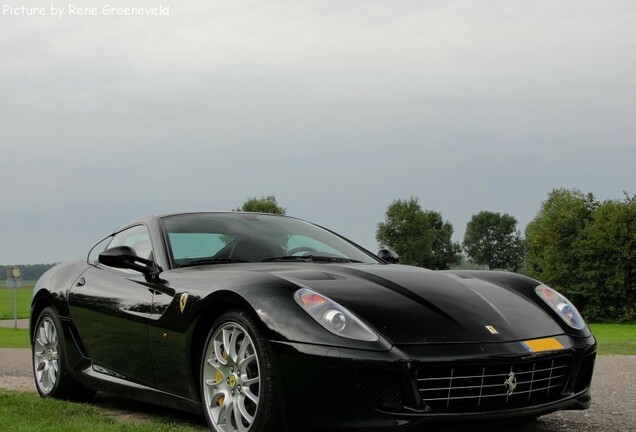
(265, 204)
(493, 239)
(420, 237)
(607, 253)
(552, 239)
(587, 250)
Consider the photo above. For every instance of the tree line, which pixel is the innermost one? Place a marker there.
(578, 245)
(422, 238)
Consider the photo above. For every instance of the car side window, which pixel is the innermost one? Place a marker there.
(93, 255)
(138, 238)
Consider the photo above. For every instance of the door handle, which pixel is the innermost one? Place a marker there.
(81, 282)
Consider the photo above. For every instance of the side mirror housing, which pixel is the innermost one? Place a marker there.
(126, 257)
(388, 256)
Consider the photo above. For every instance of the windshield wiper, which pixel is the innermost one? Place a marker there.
(311, 258)
(205, 261)
(333, 259)
(288, 258)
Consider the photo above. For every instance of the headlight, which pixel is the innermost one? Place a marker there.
(561, 306)
(333, 317)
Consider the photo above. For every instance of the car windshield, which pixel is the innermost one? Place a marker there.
(219, 238)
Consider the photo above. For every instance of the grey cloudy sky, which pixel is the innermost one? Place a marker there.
(337, 107)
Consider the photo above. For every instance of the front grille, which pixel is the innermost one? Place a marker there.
(483, 387)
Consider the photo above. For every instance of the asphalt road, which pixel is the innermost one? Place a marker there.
(613, 399)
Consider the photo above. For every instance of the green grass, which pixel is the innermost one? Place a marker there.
(23, 300)
(22, 412)
(12, 338)
(615, 338)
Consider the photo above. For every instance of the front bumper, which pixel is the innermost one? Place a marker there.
(328, 388)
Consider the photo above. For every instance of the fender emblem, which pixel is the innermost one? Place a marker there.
(182, 301)
(511, 383)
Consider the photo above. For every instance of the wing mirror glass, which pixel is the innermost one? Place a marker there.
(388, 256)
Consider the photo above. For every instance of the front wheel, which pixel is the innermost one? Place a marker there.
(237, 380)
(49, 364)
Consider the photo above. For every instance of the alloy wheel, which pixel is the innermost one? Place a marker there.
(231, 379)
(45, 355)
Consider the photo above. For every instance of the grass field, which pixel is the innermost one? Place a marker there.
(23, 300)
(22, 412)
(612, 338)
(615, 338)
(12, 338)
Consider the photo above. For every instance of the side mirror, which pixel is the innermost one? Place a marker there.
(388, 256)
(126, 257)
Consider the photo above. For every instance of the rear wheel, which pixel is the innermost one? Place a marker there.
(49, 365)
(237, 382)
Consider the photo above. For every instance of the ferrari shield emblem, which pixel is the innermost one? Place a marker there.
(492, 330)
(182, 301)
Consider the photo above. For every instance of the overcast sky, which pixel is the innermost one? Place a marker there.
(336, 107)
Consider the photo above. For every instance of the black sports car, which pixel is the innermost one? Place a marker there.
(268, 323)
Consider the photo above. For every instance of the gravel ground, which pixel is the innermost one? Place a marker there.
(613, 398)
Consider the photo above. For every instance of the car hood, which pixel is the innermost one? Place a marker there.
(414, 305)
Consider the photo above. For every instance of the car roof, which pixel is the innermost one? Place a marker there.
(153, 219)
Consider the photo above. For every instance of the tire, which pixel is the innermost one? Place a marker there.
(49, 364)
(238, 388)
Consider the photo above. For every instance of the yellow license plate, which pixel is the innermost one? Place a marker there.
(546, 344)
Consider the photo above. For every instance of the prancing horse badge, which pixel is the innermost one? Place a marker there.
(490, 328)
(182, 301)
